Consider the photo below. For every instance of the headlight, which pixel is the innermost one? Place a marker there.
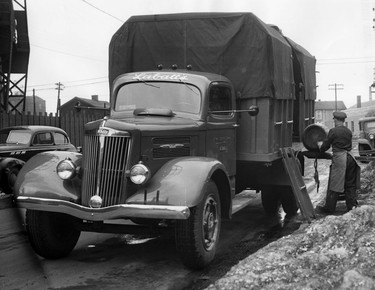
(371, 136)
(139, 174)
(66, 169)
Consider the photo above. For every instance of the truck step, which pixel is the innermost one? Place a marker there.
(242, 200)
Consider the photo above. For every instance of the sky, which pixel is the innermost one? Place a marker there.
(69, 41)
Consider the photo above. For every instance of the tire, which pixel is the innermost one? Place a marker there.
(288, 200)
(197, 237)
(270, 200)
(51, 235)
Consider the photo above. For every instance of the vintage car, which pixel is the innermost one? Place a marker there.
(366, 140)
(19, 143)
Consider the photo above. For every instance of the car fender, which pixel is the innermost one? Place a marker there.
(181, 181)
(363, 141)
(38, 177)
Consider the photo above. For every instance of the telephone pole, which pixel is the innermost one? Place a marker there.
(59, 88)
(336, 87)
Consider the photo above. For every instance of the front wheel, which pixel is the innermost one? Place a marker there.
(197, 237)
(52, 235)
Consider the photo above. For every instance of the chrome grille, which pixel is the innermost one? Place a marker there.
(104, 165)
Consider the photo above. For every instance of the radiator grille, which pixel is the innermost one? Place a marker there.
(104, 165)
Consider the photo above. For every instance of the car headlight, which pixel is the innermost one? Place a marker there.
(66, 169)
(371, 136)
(139, 173)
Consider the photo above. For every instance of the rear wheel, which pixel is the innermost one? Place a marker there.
(270, 200)
(198, 236)
(288, 200)
(52, 235)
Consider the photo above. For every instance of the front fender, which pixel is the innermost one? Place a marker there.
(38, 177)
(180, 182)
(365, 142)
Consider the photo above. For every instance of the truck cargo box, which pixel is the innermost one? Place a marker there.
(255, 56)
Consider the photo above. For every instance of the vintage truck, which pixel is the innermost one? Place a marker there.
(201, 104)
(366, 140)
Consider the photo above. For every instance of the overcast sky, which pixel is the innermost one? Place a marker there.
(69, 40)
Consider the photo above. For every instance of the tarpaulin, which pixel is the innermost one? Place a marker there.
(253, 55)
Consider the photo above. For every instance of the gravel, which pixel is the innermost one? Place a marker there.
(332, 252)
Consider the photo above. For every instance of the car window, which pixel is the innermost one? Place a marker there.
(18, 137)
(60, 138)
(43, 139)
(220, 100)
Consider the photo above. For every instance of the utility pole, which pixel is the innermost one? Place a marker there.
(34, 102)
(336, 87)
(59, 88)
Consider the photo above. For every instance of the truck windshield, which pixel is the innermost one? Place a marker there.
(370, 125)
(179, 97)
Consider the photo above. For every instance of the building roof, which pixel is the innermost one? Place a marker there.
(330, 105)
(87, 103)
(364, 104)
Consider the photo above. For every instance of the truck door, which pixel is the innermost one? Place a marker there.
(221, 125)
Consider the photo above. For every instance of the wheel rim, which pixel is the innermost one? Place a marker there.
(210, 223)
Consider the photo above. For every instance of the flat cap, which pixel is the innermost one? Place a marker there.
(339, 115)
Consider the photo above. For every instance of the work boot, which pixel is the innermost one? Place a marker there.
(331, 200)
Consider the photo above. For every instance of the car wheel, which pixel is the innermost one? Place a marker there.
(52, 235)
(270, 200)
(198, 236)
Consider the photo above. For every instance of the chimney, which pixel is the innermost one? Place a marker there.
(95, 98)
(358, 101)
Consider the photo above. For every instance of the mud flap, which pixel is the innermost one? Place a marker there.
(298, 185)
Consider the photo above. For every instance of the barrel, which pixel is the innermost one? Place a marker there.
(312, 135)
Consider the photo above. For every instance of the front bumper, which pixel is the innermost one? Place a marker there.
(105, 213)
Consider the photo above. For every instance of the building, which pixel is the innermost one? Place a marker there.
(78, 105)
(33, 104)
(324, 111)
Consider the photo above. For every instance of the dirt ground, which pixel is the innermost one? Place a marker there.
(332, 252)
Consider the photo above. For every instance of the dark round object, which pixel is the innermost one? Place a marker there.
(312, 135)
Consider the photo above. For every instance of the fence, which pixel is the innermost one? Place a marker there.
(73, 122)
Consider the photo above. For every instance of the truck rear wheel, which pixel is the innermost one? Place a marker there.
(288, 201)
(270, 200)
(52, 235)
(198, 236)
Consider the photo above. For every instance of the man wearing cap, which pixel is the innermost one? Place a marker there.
(344, 175)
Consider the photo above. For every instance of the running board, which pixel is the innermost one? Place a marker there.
(242, 200)
(292, 167)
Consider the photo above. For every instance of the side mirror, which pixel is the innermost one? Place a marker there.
(253, 110)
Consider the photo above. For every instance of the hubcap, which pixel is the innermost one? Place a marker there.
(210, 223)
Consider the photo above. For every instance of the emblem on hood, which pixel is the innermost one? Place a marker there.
(171, 146)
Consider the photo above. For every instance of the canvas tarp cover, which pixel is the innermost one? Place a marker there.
(307, 64)
(254, 56)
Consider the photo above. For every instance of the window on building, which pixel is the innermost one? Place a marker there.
(318, 115)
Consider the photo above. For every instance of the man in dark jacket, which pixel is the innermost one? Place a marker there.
(344, 175)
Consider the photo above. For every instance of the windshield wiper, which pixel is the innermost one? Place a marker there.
(188, 87)
(146, 83)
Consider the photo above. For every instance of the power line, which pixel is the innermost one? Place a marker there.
(65, 53)
(84, 1)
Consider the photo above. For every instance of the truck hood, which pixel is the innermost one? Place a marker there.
(145, 123)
